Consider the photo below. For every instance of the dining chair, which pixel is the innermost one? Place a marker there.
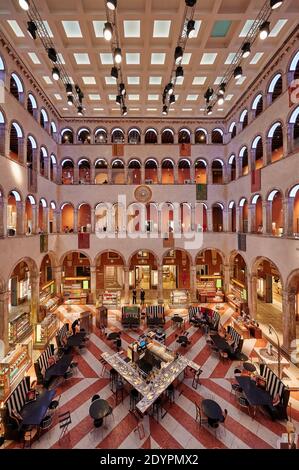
(95, 397)
(64, 421)
(244, 403)
(200, 417)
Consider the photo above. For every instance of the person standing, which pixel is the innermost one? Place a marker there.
(142, 296)
(75, 325)
(134, 296)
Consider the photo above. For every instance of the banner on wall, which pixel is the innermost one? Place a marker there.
(242, 241)
(293, 93)
(201, 192)
(255, 180)
(43, 242)
(83, 240)
(185, 150)
(117, 150)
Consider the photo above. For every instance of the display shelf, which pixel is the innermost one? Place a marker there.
(179, 298)
(235, 297)
(19, 328)
(111, 298)
(75, 294)
(207, 289)
(13, 367)
(44, 331)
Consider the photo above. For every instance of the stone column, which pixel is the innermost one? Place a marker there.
(76, 176)
(142, 171)
(193, 212)
(93, 220)
(92, 174)
(192, 172)
(4, 301)
(289, 321)
(20, 207)
(76, 220)
(109, 175)
(239, 228)
(21, 149)
(290, 133)
(46, 219)
(288, 208)
(251, 218)
(226, 278)
(225, 217)
(3, 216)
(267, 157)
(176, 174)
(2, 140)
(57, 275)
(159, 174)
(46, 167)
(58, 217)
(193, 284)
(126, 174)
(210, 220)
(252, 295)
(266, 217)
(160, 285)
(34, 209)
(93, 283)
(127, 287)
(34, 280)
(285, 140)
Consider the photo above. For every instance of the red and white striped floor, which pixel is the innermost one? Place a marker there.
(178, 428)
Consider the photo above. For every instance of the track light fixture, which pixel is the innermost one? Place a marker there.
(68, 89)
(179, 71)
(114, 73)
(246, 49)
(32, 29)
(108, 31)
(165, 110)
(172, 99)
(24, 4)
(70, 100)
(178, 54)
(208, 94)
(55, 73)
(264, 30)
(209, 110)
(52, 54)
(111, 4)
(169, 88)
(124, 111)
(80, 111)
(190, 28)
(118, 99)
(222, 88)
(190, 3)
(238, 72)
(220, 99)
(275, 4)
(117, 55)
(122, 89)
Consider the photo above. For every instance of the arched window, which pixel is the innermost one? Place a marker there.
(232, 167)
(53, 167)
(294, 67)
(2, 132)
(217, 171)
(67, 218)
(118, 172)
(67, 171)
(217, 136)
(276, 138)
(53, 128)
(257, 216)
(42, 158)
(2, 70)
(101, 171)
(167, 171)
(84, 136)
(16, 86)
(257, 105)
(275, 88)
(134, 172)
(151, 171)
(244, 118)
(184, 136)
(16, 134)
(31, 104)
(294, 121)
(243, 155)
(12, 223)
(84, 171)
(243, 208)
(67, 136)
(201, 136)
(117, 136)
(151, 136)
(84, 218)
(257, 146)
(134, 136)
(29, 203)
(167, 136)
(233, 130)
(232, 217)
(217, 217)
(294, 199)
(43, 118)
(100, 136)
(276, 212)
(184, 171)
(200, 167)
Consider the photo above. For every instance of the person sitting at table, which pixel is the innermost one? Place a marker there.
(76, 326)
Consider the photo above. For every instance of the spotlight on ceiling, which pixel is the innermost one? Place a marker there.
(108, 31)
(169, 88)
(238, 72)
(70, 100)
(52, 54)
(222, 88)
(117, 55)
(264, 30)
(118, 99)
(275, 4)
(55, 73)
(220, 99)
(32, 29)
(80, 111)
(24, 4)
(68, 89)
(122, 89)
(111, 4)
(190, 3)
(246, 49)
(172, 99)
(124, 111)
(178, 54)
(208, 94)
(190, 28)
(165, 110)
(114, 73)
(179, 71)
(209, 110)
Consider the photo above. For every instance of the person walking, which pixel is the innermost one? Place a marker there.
(142, 296)
(134, 296)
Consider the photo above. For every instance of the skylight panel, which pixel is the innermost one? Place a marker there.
(277, 28)
(112, 97)
(133, 80)
(161, 28)
(60, 57)
(155, 80)
(134, 109)
(94, 97)
(246, 28)
(58, 96)
(34, 57)
(110, 80)
(228, 97)
(241, 80)
(98, 109)
(180, 80)
(199, 80)
(158, 58)
(90, 80)
(133, 97)
(152, 97)
(72, 29)
(133, 58)
(186, 58)
(151, 109)
(230, 58)
(196, 29)
(208, 58)
(132, 28)
(187, 109)
(191, 97)
(98, 27)
(16, 28)
(218, 80)
(106, 58)
(48, 29)
(82, 58)
(48, 80)
(256, 58)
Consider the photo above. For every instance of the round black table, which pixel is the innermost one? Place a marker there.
(182, 339)
(249, 366)
(211, 409)
(113, 335)
(99, 409)
(177, 319)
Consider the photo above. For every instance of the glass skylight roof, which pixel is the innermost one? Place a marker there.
(16, 28)
(89, 80)
(106, 58)
(72, 29)
(208, 58)
(256, 58)
(133, 58)
(133, 80)
(161, 28)
(82, 58)
(98, 27)
(158, 58)
(199, 80)
(132, 28)
(155, 80)
(34, 57)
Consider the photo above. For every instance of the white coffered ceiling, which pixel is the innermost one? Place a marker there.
(149, 31)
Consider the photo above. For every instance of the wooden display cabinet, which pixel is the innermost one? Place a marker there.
(13, 368)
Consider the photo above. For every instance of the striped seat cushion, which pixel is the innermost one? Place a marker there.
(234, 334)
(274, 384)
(193, 311)
(44, 358)
(17, 398)
(155, 310)
(61, 334)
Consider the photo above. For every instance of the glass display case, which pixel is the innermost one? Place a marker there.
(19, 327)
(111, 298)
(13, 368)
(179, 298)
(44, 331)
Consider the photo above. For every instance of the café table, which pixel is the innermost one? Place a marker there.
(220, 343)
(113, 335)
(255, 395)
(240, 356)
(177, 319)
(59, 368)
(99, 409)
(211, 409)
(249, 367)
(34, 412)
(76, 340)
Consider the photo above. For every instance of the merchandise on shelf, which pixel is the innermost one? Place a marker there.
(75, 294)
(45, 330)
(111, 298)
(179, 297)
(19, 328)
(13, 367)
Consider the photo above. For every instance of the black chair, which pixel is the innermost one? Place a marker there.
(54, 404)
(95, 397)
(134, 398)
(224, 416)
(64, 421)
(170, 393)
(157, 408)
(119, 391)
(46, 422)
(98, 422)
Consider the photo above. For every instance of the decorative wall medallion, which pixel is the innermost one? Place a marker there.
(143, 194)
